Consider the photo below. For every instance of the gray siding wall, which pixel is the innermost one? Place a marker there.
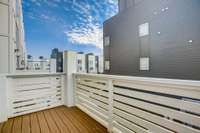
(124, 4)
(171, 55)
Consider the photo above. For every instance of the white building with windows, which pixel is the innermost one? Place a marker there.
(12, 44)
(91, 63)
(41, 65)
(81, 63)
(100, 64)
(86, 63)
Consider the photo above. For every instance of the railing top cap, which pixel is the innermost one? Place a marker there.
(33, 74)
(142, 79)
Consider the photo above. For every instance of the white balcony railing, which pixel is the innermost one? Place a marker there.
(120, 103)
(136, 104)
(26, 93)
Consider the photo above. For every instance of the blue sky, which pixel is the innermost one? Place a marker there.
(65, 24)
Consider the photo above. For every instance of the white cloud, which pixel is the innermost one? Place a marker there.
(89, 35)
(51, 3)
(83, 8)
(113, 8)
(114, 2)
(37, 2)
(89, 30)
(48, 18)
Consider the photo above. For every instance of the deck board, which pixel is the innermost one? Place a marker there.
(52, 125)
(1, 126)
(66, 121)
(88, 124)
(56, 120)
(43, 123)
(17, 125)
(74, 120)
(98, 127)
(26, 124)
(7, 127)
(59, 121)
(35, 128)
(80, 120)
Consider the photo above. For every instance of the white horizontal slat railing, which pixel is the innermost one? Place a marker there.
(33, 92)
(137, 104)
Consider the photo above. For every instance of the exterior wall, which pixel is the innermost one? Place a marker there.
(56, 54)
(85, 63)
(53, 65)
(12, 46)
(41, 65)
(125, 4)
(173, 43)
(4, 36)
(100, 64)
(91, 63)
(81, 63)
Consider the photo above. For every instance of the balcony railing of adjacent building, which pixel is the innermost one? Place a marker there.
(120, 103)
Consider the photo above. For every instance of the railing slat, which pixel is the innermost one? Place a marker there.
(85, 101)
(92, 84)
(191, 93)
(156, 118)
(144, 123)
(161, 99)
(167, 112)
(29, 94)
(137, 104)
(103, 93)
(121, 128)
(130, 125)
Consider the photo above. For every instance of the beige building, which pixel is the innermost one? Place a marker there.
(12, 45)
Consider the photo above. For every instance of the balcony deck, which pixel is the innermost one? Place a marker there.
(56, 120)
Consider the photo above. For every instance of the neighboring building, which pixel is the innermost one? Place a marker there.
(81, 62)
(41, 65)
(97, 64)
(125, 4)
(154, 38)
(100, 64)
(12, 45)
(91, 63)
(85, 63)
(56, 54)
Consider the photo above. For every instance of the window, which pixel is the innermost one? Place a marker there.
(107, 65)
(91, 62)
(91, 68)
(59, 60)
(79, 61)
(107, 41)
(144, 64)
(144, 29)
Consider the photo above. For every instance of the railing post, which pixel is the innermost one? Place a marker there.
(3, 99)
(75, 78)
(110, 88)
(69, 69)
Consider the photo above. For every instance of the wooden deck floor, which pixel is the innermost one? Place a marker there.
(56, 120)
